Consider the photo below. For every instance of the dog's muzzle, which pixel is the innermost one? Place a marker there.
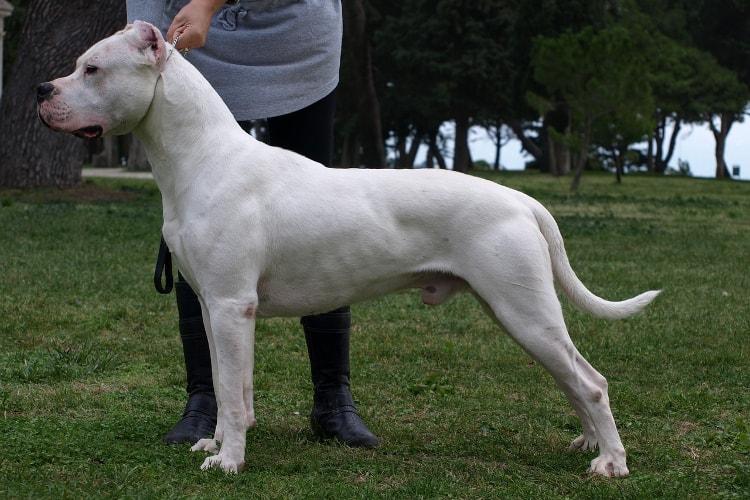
(44, 92)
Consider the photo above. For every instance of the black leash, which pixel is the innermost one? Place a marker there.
(163, 268)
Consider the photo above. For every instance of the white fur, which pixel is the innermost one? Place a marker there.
(259, 231)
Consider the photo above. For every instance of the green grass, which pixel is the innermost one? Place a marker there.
(91, 369)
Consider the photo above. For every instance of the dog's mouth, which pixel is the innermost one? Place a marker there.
(90, 132)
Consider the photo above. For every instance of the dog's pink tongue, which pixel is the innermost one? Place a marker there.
(91, 132)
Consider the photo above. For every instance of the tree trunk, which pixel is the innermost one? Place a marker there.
(619, 163)
(559, 156)
(582, 157)
(107, 157)
(461, 154)
(403, 148)
(54, 35)
(401, 153)
(650, 167)
(528, 145)
(350, 149)
(658, 141)
(658, 161)
(358, 55)
(672, 143)
(434, 154)
(498, 147)
(411, 153)
(137, 156)
(720, 135)
(551, 155)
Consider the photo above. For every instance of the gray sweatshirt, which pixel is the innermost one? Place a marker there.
(265, 57)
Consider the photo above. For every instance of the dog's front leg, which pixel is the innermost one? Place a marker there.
(231, 338)
(210, 444)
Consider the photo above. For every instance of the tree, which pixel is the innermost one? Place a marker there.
(444, 60)
(615, 136)
(721, 27)
(702, 72)
(532, 19)
(591, 76)
(363, 137)
(53, 36)
(671, 72)
(690, 86)
(13, 25)
(500, 135)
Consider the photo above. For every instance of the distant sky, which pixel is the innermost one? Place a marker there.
(695, 144)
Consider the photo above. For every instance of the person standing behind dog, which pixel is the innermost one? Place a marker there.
(278, 60)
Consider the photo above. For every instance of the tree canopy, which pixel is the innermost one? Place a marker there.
(579, 83)
(576, 83)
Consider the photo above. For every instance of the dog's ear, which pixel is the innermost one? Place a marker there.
(150, 42)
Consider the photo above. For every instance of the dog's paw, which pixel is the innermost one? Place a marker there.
(225, 464)
(582, 443)
(608, 467)
(206, 444)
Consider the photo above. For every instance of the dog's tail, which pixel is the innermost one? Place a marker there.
(569, 283)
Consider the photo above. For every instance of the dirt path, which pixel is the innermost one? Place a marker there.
(115, 172)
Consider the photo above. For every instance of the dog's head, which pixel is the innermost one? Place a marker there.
(112, 86)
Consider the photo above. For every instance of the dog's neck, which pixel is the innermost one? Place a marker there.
(184, 97)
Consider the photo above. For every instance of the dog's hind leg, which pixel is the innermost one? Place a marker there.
(523, 300)
(588, 440)
(232, 334)
(534, 320)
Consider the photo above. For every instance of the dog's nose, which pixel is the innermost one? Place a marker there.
(43, 91)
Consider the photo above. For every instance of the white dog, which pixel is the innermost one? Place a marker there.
(258, 231)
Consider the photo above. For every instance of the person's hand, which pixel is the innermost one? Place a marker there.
(191, 24)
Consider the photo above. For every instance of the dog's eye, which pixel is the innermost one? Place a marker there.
(91, 69)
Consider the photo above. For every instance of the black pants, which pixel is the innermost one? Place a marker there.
(308, 131)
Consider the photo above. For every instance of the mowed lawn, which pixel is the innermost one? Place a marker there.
(91, 370)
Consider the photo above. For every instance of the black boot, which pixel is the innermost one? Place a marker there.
(333, 414)
(199, 418)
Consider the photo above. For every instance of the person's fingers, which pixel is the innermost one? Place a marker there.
(187, 39)
(190, 27)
